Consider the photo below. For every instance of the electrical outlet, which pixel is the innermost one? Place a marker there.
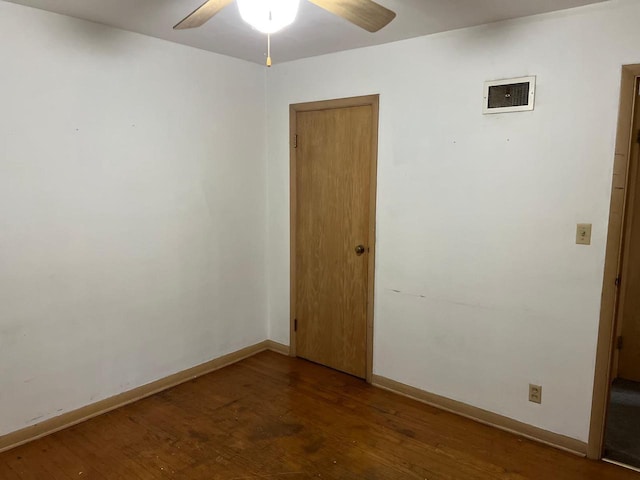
(583, 234)
(535, 393)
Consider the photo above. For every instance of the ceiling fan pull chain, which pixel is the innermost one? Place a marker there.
(268, 50)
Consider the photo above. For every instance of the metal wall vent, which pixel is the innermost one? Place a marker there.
(511, 95)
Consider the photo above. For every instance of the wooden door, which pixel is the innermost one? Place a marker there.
(334, 161)
(629, 309)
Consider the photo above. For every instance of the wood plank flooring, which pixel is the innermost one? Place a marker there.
(273, 417)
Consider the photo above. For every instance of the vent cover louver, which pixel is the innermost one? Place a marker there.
(512, 95)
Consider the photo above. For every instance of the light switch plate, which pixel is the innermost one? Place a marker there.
(583, 234)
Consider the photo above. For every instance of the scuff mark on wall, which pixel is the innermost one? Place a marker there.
(408, 294)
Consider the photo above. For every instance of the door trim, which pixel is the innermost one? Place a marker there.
(367, 100)
(613, 262)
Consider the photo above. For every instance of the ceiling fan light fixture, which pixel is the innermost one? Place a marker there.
(268, 16)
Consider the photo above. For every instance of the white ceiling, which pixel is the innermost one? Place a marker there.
(315, 31)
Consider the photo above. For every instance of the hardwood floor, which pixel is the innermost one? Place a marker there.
(273, 417)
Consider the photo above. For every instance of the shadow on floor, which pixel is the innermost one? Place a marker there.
(622, 435)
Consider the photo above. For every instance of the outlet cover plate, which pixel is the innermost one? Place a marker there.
(535, 393)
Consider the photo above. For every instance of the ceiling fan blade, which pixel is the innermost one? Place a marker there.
(202, 14)
(366, 14)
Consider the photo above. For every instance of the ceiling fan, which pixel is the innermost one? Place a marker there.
(270, 16)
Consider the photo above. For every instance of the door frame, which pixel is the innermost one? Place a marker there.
(367, 100)
(613, 263)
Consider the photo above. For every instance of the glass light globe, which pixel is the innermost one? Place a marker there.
(268, 16)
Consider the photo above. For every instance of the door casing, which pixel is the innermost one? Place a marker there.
(367, 100)
(625, 359)
(613, 263)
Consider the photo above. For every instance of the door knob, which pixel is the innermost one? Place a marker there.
(360, 249)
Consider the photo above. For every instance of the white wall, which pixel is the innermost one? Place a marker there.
(477, 214)
(132, 218)
(133, 222)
